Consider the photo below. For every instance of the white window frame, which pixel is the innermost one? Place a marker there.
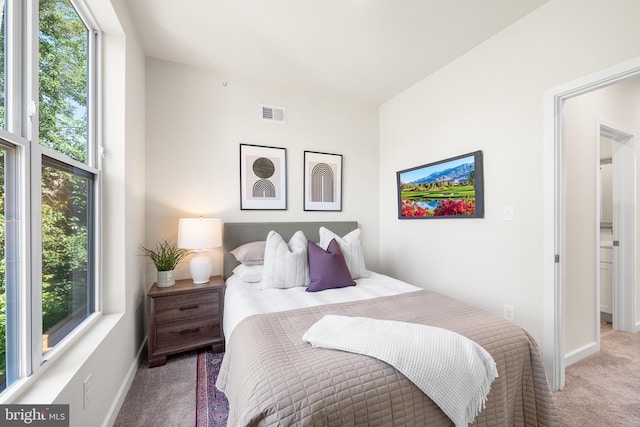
(13, 226)
(21, 81)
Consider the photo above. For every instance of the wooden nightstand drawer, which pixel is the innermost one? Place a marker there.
(184, 317)
(187, 306)
(188, 333)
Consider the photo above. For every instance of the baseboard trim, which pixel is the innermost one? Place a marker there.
(110, 419)
(581, 353)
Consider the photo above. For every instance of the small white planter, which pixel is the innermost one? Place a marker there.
(165, 279)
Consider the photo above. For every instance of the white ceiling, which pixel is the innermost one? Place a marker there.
(369, 50)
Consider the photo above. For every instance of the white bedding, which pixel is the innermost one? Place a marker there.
(242, 299)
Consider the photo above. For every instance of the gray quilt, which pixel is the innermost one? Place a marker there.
(272, 377)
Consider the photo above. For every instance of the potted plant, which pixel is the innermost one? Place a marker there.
(165, 256)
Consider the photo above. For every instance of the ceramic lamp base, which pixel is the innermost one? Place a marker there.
(200, 267)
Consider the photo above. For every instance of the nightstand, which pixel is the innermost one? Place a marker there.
(183, 317)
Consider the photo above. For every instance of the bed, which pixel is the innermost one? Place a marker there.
(271, 376)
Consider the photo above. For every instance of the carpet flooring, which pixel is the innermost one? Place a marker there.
(161, 396)
(603, 389)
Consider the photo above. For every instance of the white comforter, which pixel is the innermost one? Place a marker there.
(246, 299)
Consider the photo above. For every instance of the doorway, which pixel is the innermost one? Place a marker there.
(556, 296)
(616, 224)
(605, 239)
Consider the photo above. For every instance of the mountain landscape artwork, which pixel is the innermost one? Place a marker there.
(448, 188)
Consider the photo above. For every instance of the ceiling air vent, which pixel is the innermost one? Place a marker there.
(273, 114)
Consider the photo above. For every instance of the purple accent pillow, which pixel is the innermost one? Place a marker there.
(327, 269)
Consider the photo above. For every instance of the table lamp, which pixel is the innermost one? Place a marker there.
(198, 235)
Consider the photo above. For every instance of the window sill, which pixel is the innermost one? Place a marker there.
(59, 369)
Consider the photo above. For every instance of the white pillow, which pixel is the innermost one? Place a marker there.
(351, 248)
(248, 273)
(285, 265)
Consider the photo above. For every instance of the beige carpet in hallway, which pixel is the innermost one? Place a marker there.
(604, 389)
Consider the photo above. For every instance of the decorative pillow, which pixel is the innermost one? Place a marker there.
(248, 273)
(351, 249)
(327, 269)
(251, 253)
(285, 265)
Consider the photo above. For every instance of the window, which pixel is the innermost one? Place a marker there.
(67, 298)
(48, 180)
(63, 60)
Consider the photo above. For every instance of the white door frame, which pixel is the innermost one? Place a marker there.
(553, 210)
(624, 231)
(624, 205)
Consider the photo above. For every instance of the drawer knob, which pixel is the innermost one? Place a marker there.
(189, 307)
(189, 331)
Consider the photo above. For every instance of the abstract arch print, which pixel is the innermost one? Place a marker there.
(264, 169)
(263, 177)
(322, 183)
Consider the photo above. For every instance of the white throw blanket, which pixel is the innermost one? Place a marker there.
(455, 372)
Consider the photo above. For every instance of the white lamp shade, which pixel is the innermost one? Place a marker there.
(199, 233)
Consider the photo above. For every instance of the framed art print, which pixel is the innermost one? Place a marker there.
(322, 181)
(263, 177)
(449, 188)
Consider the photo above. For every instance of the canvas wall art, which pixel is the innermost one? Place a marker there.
(450, 188)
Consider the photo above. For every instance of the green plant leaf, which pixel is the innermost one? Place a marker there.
(165, 255)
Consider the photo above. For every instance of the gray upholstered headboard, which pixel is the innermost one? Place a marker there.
(238, 233)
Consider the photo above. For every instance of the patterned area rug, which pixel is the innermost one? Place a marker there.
(212, 406)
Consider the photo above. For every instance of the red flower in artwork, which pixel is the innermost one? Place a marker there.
(452, 207)
(411, 209)
(448, 207)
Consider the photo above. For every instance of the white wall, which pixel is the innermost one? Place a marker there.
(491, 99)
(109, 349)
(619, 104)
(194, 130)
